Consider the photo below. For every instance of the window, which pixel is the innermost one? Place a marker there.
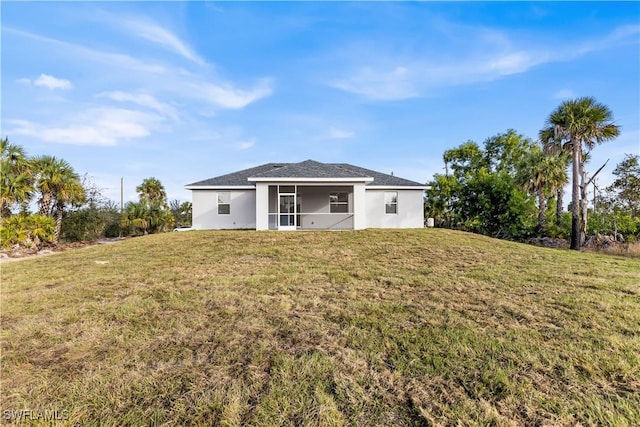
(224, 203)
(339, 202)
(391, 202)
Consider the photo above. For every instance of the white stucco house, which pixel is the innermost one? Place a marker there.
(305, 196)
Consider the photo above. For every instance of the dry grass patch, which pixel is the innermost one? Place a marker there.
(422, 327)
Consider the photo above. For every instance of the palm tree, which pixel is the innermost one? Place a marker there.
(152, 190)
(16, 176)
(50, 172)
(135, 217)
(556, 147)
(69, 191)
(580, 122)
(59, 185)
(541, 174)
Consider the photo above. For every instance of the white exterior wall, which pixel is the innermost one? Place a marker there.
(360, 213)
(242, 210)
(261, 206)
(369, 202)
(410, 209)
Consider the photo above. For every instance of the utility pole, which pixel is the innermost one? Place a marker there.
(121, 194)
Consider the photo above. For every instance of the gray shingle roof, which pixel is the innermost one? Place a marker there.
(310, 169)
(306, 169)
(380, 178)
(237, 178)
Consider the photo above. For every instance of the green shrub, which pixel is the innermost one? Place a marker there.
(90, 223)
(27, 231)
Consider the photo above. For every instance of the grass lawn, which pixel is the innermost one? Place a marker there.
(373, 327)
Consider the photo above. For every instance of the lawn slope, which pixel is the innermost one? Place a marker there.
(373, 327)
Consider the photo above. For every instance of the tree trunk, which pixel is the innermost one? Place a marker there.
(575, 195)
(542, 214)
(559, 196)
(584, 203)
(58, 228)
(45, 204)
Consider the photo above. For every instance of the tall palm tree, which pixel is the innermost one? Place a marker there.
(16, 176)
(581, 123)
(152, 190)
(541, 174)
(58, 185)
(50, 172)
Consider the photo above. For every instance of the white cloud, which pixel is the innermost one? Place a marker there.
(47, 81)
(225, 95)
(180, 83)
(511, 63)
(142, 99)
(79, 52)
(378, 84)
(335, 133)
(486, 55)
(245, 145)
(98, 126)
(564, 94)
(51, 82)
(156, 34)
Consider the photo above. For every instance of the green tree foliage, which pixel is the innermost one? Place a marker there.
(27, 231)
(181, 212)
(70, 201)
(152, 191)
(553, 145)
(540, 174)
(479, 192)
(59, 186)
(150, 214)
(579, 124)
(16, 177)
(627, 184)
(97, 217)
(617, 212)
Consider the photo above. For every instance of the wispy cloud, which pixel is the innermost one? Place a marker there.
(379, 84)
(46, 81)
(98, 126)
(335, 133)
(564, 94)
(491, 55)
(80, 52)
(142, 99)
(182, 84)
(245, 145)
(225, 95)
(51, 82)
(155, 33)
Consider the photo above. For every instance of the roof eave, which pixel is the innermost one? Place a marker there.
(398, 187)
(220, 187)
(293, 180)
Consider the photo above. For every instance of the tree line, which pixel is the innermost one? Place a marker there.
(512, 186)
(509, 187)
(69, 207)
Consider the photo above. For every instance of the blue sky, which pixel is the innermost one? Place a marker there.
(188, 91)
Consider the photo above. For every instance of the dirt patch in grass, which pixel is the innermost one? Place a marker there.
(411, 327)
